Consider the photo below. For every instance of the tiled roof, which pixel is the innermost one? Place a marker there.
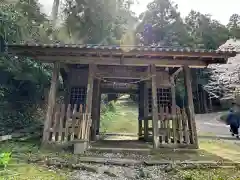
(124, 47)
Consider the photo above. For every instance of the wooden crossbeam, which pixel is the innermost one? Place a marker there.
(175, 71)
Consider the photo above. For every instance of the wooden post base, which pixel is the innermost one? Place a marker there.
(80, 146)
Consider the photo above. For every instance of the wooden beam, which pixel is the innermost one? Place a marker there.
(146, 107)
(145, 95)
(174, 106)
(119, 91)
(89, 98)
(67, 87)
(98, 110)
(205, 100)
(175, 71)
(125, 61)
(141, 108)
(190, 106)
(64, 74)
(96, 92)
(91, 71)
(51, 103)
(154, 108)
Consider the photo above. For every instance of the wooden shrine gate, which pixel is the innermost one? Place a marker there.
(86, 71)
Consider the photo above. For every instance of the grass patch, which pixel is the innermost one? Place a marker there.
(185, 155)
(123, 120)
(224, 149)
(205, 134)
(23, 171)
(18, 167)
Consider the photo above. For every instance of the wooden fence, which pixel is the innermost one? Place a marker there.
(70, 123)
(173, 129)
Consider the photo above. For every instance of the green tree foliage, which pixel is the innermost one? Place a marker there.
(22, 80)
(205, 32)
(97, 21)
(168, 27)
(234, 25)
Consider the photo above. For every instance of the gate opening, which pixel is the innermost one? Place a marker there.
(119, 117)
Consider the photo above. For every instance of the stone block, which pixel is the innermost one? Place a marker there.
(80, 146)
(5, 138)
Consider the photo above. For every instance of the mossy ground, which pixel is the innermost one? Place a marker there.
(19, 168)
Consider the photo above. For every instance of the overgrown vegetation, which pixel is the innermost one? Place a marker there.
(22, 80)
(108, 112)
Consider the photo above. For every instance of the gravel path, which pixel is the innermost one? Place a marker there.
(124, 173)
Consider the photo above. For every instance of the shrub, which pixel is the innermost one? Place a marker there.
(5, 159)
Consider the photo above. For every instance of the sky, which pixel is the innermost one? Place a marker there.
(219, 9)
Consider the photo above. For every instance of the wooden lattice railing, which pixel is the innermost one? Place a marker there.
(70, 123)
(173, 129)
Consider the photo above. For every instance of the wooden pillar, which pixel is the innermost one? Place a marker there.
(210, 104)
(51, 102)
(201, 102)
(67, 91)
(190, 106)
(140, 126)
(198, 99)
(174, 107)
(96, 91)
(205, 101)
(89, 98)
(98, 109)
(154, 108)
(141, 108)
(145, 95)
